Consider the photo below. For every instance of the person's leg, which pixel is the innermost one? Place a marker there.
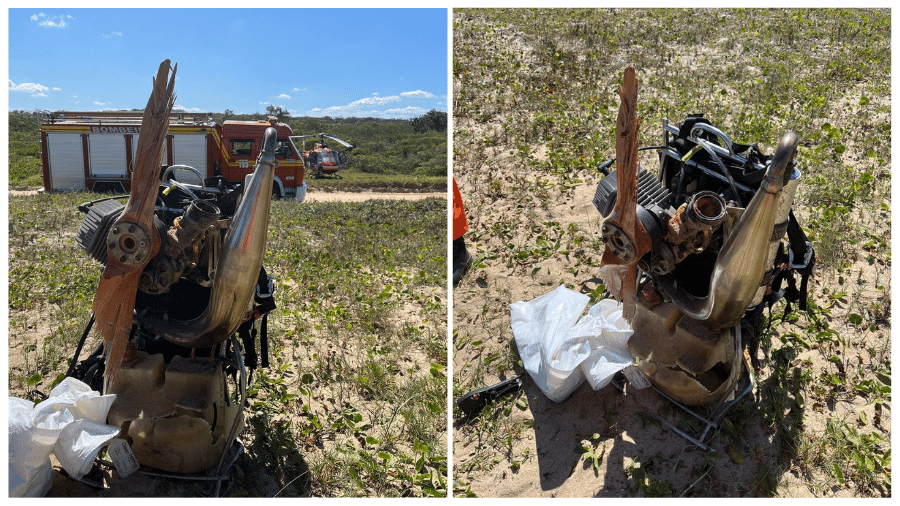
(462, 259)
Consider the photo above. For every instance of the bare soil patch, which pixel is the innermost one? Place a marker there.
(345, 196)
(324, 195)
(22, 193)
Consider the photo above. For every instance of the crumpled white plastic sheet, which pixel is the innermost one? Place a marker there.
(69, 424)
(559, 351)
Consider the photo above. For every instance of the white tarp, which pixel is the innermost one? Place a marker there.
(70, 424)
(559, 351)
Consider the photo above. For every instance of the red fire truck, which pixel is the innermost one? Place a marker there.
(96, 150)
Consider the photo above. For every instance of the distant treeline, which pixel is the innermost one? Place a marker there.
(24, 149)
(416, 147)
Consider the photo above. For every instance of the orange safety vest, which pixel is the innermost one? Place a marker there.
(460, 224)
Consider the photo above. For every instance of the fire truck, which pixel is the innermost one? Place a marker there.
(95, 151)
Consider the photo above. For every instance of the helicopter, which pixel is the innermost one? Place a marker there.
(322, 158)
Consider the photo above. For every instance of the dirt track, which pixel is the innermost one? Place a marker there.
(22, 193)
(326, 196)
(369, 195)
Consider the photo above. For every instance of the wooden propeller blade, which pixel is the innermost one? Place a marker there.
(627, 125)
(624, 213)
(133, 239)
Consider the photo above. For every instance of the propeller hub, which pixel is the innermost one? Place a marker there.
(618, 241)
(129, 243)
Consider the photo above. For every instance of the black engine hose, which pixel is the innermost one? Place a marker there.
(87, 331)
(703, 144)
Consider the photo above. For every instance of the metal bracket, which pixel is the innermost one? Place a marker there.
(271, 288)
(711, 420)
(807, 256)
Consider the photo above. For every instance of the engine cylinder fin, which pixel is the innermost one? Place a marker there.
(649, 192)
(95, 228)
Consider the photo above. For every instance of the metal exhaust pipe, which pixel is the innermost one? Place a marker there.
(240, 260)
(741, 263)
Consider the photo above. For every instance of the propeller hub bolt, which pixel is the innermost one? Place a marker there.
(618, 241)
(131, 247)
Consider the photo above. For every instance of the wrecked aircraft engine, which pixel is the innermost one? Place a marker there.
(203, 285)
(710, 255)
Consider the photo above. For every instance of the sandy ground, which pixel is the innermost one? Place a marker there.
(22, 193)
(543, 456)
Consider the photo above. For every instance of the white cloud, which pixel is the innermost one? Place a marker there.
(344, 111)
(56, 89)
(299, 89)
(181, 108)
(51, 21)
(374, 100)
(101, 103)
(283, 95)
(36, 90)
(112, 34)
(404, 112)
(416, 94)
(373, 107)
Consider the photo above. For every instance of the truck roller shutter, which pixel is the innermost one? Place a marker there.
(107, 155)
(66, 161)
(189, 150)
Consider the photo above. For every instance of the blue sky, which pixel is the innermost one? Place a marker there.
(383, 63)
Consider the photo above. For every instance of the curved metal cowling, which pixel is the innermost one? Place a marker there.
(240, 260)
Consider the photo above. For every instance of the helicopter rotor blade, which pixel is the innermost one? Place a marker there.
(301, 140)
(338, 140)
(133, 239)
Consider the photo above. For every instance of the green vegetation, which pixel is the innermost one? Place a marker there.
(354, 180)
(433, 120)
(354, 402)
(384, 147)
(387, 147)
(24, 150)
(535, 105)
